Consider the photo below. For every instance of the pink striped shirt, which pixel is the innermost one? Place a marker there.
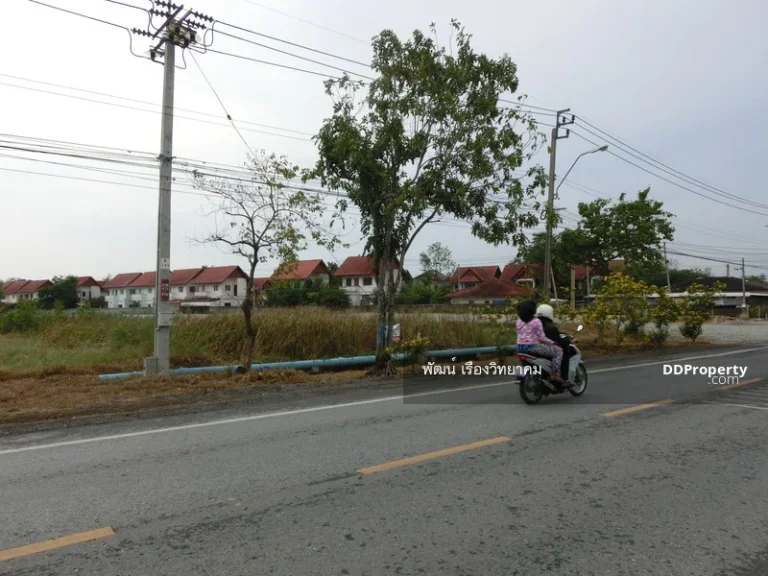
(531, 332)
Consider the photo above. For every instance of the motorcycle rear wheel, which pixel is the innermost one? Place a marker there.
(531, 389)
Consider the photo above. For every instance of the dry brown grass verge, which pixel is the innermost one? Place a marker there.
(26, 398)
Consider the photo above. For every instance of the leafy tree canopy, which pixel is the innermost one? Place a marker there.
(63, 291)
(437, 258)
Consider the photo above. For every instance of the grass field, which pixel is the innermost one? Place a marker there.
(104, 342)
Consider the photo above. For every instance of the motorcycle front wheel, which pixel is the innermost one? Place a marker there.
(580, 382)
(530, 389)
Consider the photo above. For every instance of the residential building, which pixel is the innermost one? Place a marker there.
(180, 283)
(492, 292)
(466, 277)
(10, 291)
(88, 289)
(302, 271)
(730, 301)
(359, 279)
(117, 292)
(14, 292)
(141, 291)
(217, 286)
(529, 275)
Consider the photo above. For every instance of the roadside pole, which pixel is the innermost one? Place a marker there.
(573, 287)
(744, 310)
(666, 268)
(550, 211)
(174, 31)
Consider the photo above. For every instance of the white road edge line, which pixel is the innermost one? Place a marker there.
(671, 360)
(737, 405)
(266, 415)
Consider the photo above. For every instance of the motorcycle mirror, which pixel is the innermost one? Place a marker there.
(580, 328)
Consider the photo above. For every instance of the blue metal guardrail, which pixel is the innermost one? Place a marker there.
(321, 363)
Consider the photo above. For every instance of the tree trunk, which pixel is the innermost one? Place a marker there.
(250, 334)
(247, 307)
(383, 336)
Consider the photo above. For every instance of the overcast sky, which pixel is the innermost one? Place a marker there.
(683, 81)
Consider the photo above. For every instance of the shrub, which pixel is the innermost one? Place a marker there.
(634, 328)
(25, 317)
(691, 330)
(620, 300)
(656, 338)
(698, 307)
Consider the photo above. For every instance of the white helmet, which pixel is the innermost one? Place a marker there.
(545, 311)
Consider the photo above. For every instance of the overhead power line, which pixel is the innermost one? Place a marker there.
(268, 63)
(147, 102)
(670, 170)
(127, 107)
(292, 55)
(702, 195)
(294, 44)
(226, 113)
(674, 174)
(309, 22)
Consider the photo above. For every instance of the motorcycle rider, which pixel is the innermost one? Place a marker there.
(531, 338)
(546, 315)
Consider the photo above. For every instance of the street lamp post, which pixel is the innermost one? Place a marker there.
(550, 209)
(600, 149)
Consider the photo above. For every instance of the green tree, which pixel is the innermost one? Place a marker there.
(430, 137)
(332, 268)
(63, 290)
(630, 229)
(266, 218)
(760, 279)
(437, 258)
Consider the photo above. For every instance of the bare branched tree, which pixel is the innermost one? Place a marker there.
(268, 216)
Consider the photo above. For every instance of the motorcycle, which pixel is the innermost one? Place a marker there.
(535, 383)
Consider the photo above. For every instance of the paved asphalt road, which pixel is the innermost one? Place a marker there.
(572, 486)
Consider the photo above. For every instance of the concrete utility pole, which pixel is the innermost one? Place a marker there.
(174, 31)
(561, 121)
(573, 287)
(744, 288)
(666, 267)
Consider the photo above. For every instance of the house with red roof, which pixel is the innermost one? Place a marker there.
(10, 291)
(466, 277)
(359, 279)
(88, 288)
(492, 291)
(215, 286)
(14, 292)
(523, 274)
(141, 291)
(116, 290)
(302, 271)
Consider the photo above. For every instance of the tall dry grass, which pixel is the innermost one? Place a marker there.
(92, 337)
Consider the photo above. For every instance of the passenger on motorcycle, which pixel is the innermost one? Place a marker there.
(531, 338)
(546, 314)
